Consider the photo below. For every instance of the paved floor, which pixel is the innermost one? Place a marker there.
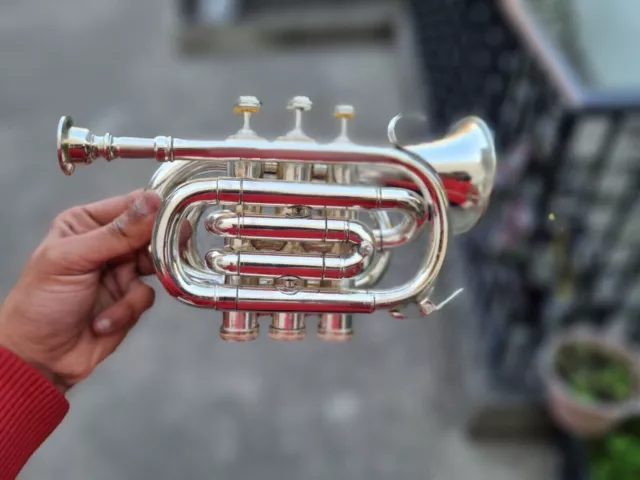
(176, 402)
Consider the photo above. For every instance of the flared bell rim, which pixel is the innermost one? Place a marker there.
(486, 146)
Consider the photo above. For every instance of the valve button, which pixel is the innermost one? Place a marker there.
(344, 111)
(247, 104)
(300, 103)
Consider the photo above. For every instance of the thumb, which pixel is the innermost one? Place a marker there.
(127, 233)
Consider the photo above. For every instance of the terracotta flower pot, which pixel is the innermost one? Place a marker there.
(582, 417)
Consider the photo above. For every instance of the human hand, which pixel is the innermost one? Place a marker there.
(81, 291)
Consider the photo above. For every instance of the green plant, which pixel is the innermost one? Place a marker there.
(616, 455)
(594, 374)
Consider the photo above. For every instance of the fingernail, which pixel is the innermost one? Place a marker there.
(103, 325)
(145, 205)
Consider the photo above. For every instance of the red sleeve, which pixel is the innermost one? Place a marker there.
(30, 409)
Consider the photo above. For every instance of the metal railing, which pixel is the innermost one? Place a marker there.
(555, 246)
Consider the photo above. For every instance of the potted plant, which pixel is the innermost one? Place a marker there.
(592, 381)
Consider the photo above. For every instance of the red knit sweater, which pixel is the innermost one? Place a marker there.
(30, 409)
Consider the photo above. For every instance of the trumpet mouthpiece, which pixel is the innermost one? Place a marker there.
(64, 160)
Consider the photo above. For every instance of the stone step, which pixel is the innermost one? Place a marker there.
(292, 27)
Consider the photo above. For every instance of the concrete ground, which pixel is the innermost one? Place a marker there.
(175, 401)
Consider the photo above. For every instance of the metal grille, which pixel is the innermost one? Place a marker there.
(555, 246)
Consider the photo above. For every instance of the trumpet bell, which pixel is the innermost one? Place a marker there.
(306, 226)
(466, 163)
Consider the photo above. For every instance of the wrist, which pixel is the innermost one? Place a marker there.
(56, 380)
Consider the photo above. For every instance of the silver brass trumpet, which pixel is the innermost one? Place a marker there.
(292, 212)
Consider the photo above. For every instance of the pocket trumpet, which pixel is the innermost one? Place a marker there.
(291, 215)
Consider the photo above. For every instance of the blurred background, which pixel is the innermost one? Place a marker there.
(531, 373)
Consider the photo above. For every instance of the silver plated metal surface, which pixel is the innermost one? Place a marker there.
(306, 227)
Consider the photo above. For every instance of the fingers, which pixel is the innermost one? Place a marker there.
(113, 325)
(85, 218)
(145, 264)
(123, 314)
(105, 211)
(125, 234)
